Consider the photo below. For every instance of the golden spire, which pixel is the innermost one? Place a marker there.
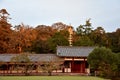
(70, 30)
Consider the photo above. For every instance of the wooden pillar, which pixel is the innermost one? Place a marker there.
(63, 67)
(72, 65)
(3, 69)
(7, 67)
(56, 70)
(84, 66)
(81, 69)
(37, 66)
(17, 67)
(10, 68)
(67, 69)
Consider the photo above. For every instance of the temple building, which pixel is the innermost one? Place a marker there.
(72, 59)
(75, 58)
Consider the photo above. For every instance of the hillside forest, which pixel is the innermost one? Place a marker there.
(44, 39)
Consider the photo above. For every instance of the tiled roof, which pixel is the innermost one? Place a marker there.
(6, 57)
(70, 51)
(62, 51)
(33, 57)
(44, 57)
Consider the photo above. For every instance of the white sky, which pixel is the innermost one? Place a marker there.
(105, 13)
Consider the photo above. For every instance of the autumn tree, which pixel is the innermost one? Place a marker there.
(40, 44)
(23, 36)
(44, 32)
(59, 26)
(5, 31)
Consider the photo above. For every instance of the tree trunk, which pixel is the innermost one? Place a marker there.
(49, 73)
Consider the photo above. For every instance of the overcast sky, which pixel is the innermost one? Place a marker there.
(105, 13)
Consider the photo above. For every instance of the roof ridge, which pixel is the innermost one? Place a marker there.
(77, 46)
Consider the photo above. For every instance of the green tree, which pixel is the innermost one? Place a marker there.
(83, 41)
(40, 46)
(82, 34)
(118, 57)
(99, 37)
(57, 40)
(80, 30)
(84, 29)
(114, 38)
(103, 60)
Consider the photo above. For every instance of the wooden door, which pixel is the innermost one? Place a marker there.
(76, 67)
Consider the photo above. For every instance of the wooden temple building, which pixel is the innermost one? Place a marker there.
(72, 59)
(75, 58)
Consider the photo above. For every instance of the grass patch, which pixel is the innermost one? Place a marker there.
(49, 78)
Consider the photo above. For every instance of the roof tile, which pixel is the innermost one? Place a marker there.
(70, 51)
